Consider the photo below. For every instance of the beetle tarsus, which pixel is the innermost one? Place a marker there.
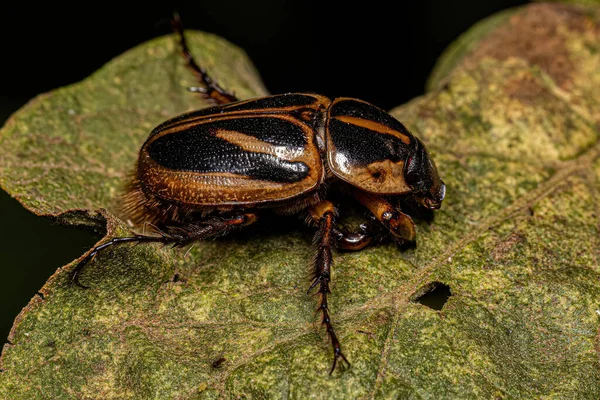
(323, 282)
(337, 353)
(212, 89)
(76, 273)
(399, 225)
(324, 239)
(174, 236)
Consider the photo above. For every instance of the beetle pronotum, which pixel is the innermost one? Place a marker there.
(208, 172)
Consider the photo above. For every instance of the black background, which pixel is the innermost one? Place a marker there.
(369, 50)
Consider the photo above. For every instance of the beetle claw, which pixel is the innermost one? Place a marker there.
(75, 277)
(338, 354)
(75, 274)
(314, 283)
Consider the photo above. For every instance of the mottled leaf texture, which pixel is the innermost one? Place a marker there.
(513, 123)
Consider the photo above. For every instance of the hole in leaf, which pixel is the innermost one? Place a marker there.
(433, 295)
(218, 363)
(177, 278)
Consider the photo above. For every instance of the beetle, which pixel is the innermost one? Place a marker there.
(209, 172)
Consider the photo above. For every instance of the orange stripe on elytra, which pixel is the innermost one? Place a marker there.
(373, 126)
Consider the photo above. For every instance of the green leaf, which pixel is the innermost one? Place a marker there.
(514, 130)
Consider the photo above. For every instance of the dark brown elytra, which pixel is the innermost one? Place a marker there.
(209, 172)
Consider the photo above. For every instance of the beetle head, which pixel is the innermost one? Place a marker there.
(421, 174)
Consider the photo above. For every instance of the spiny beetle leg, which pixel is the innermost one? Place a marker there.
(210, 89)
(175, 236)
(400, 225)
(323, 215)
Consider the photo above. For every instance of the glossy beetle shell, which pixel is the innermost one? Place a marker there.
(270, 151)
(367, 147)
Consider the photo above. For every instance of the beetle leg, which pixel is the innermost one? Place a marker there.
(368, 233)
(323, 215)
(400, 225)
(351, 240)
(210, 89)
(175, 236)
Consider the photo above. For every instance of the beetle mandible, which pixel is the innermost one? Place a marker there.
(206, 173)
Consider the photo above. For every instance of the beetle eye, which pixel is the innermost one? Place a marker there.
(411, 176)
(409, 166)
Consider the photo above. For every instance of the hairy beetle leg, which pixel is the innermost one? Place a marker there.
(176, 236)
(211, 89)
(400, 225)
(323, 214)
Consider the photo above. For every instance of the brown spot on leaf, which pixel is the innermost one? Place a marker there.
(505, 247)
(536, 35)
(525, 89)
